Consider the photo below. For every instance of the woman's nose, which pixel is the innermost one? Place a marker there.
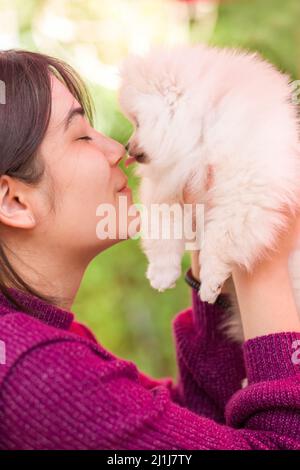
(116, 153)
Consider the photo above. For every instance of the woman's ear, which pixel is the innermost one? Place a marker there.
(15, 209)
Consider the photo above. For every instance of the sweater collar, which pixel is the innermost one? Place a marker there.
(37, 308)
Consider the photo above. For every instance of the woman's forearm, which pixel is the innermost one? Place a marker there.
(266, 299)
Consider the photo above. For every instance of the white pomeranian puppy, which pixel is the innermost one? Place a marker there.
(220, 123)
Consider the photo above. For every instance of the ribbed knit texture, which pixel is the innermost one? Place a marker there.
(60, 389)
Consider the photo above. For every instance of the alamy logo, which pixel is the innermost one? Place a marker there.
(2, 352)
(296, 354)
(156, 222)
(2, 92)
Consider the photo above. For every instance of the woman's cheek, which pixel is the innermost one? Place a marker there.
(94, 175)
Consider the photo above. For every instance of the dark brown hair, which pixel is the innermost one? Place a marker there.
(24, 119)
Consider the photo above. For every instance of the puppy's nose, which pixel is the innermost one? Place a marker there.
(127, 147)
(141, 158)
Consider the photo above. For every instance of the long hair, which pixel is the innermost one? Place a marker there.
(25, 110)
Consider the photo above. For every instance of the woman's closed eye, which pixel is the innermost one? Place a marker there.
(86, 137)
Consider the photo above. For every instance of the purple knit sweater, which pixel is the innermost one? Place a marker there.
(60, 389)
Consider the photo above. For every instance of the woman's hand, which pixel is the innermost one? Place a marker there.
(265, 295)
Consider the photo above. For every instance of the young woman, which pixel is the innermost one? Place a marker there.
(60, 389)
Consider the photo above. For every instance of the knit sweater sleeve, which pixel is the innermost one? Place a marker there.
(66, 395)
(210, 366)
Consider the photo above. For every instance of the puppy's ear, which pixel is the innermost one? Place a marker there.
(172, 95)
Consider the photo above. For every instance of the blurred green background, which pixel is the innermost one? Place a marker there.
(115, 300)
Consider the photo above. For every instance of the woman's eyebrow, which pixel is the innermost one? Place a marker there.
(71, 114)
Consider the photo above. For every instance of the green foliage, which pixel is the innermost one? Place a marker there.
(270, 27)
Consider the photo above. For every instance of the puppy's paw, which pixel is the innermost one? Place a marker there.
(163, 277)
(209, 290)
(212, 276)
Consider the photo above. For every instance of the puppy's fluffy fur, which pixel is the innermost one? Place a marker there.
(228, 114)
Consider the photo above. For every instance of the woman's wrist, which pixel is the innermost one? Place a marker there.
(222, 300)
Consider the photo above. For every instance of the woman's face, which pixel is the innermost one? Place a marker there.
(81, 173)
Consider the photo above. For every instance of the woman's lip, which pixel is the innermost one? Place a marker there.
(125, 186)
(124, 189)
